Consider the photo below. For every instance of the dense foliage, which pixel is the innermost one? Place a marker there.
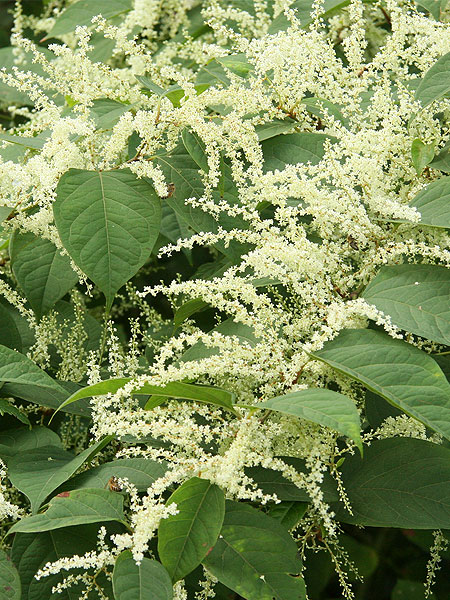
(224, 300)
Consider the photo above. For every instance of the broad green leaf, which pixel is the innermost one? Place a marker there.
(78, 507)
(141, 472)
(415, 297)
(20, 370)
(237, 64)
(229, 327)
(432, 6)
(147, 580)
(196, 149)
(321, 406)
(43, 273)
(401, 482)
(39, 473)
(188, 309)
(321, 107)
(10, 333)
(377, 409)
(213, 74)
(289, 513)
(185, 539)
(405, 376)
(274, 128)
(433, 203)
(24, 439)
(421, 155)
(81, 13)
(405, 589)
(293, 148)
(185, 391)
(108, 222)
(174, 228)
(31, 551)
(28, 142)
(10, 588)
(5, 211)
(48, 397)
(255, 556)
(107, 113)
(27, 335)
(11, 95)
(442, 160)
(179, 169)
(435, 83)
(6, 408)
(150, 85)
(273, 482)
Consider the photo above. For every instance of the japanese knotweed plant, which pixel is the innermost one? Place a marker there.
(224, 293)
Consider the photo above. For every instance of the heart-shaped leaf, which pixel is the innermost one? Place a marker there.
(108, 222)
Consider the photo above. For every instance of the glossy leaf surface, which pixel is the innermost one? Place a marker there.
(402, 374)
(184, 539)
(147, 580)
(108, 222)
(415, 297)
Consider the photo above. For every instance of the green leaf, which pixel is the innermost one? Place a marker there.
(179, 169)
(39, 473)
(273, 482)
(108, 222)
(196, 149)
(289, 514)
(237, 64)
(186, 538)
(147, 580)
(10, 588)
(432, 6)
(293, 148)
(107, 113)
(421, 155)
(274, 128)
(10, 95)
(406, 589)
(442, 160)
(43, 273)
(185, 391)
(435, 83)
(75, 508)
(34, 143)
(415, 297)
(24, 439)
(81, 13)
(20, 370)
(401, 482)
(405, 376)
(141, 472)
(5, 211)
(10, 333)
(321, 108)
(255, 556)
(6, 408)
(321, 406)
(188, 309)
(31, 551)
(229, 327)
(433, 203)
